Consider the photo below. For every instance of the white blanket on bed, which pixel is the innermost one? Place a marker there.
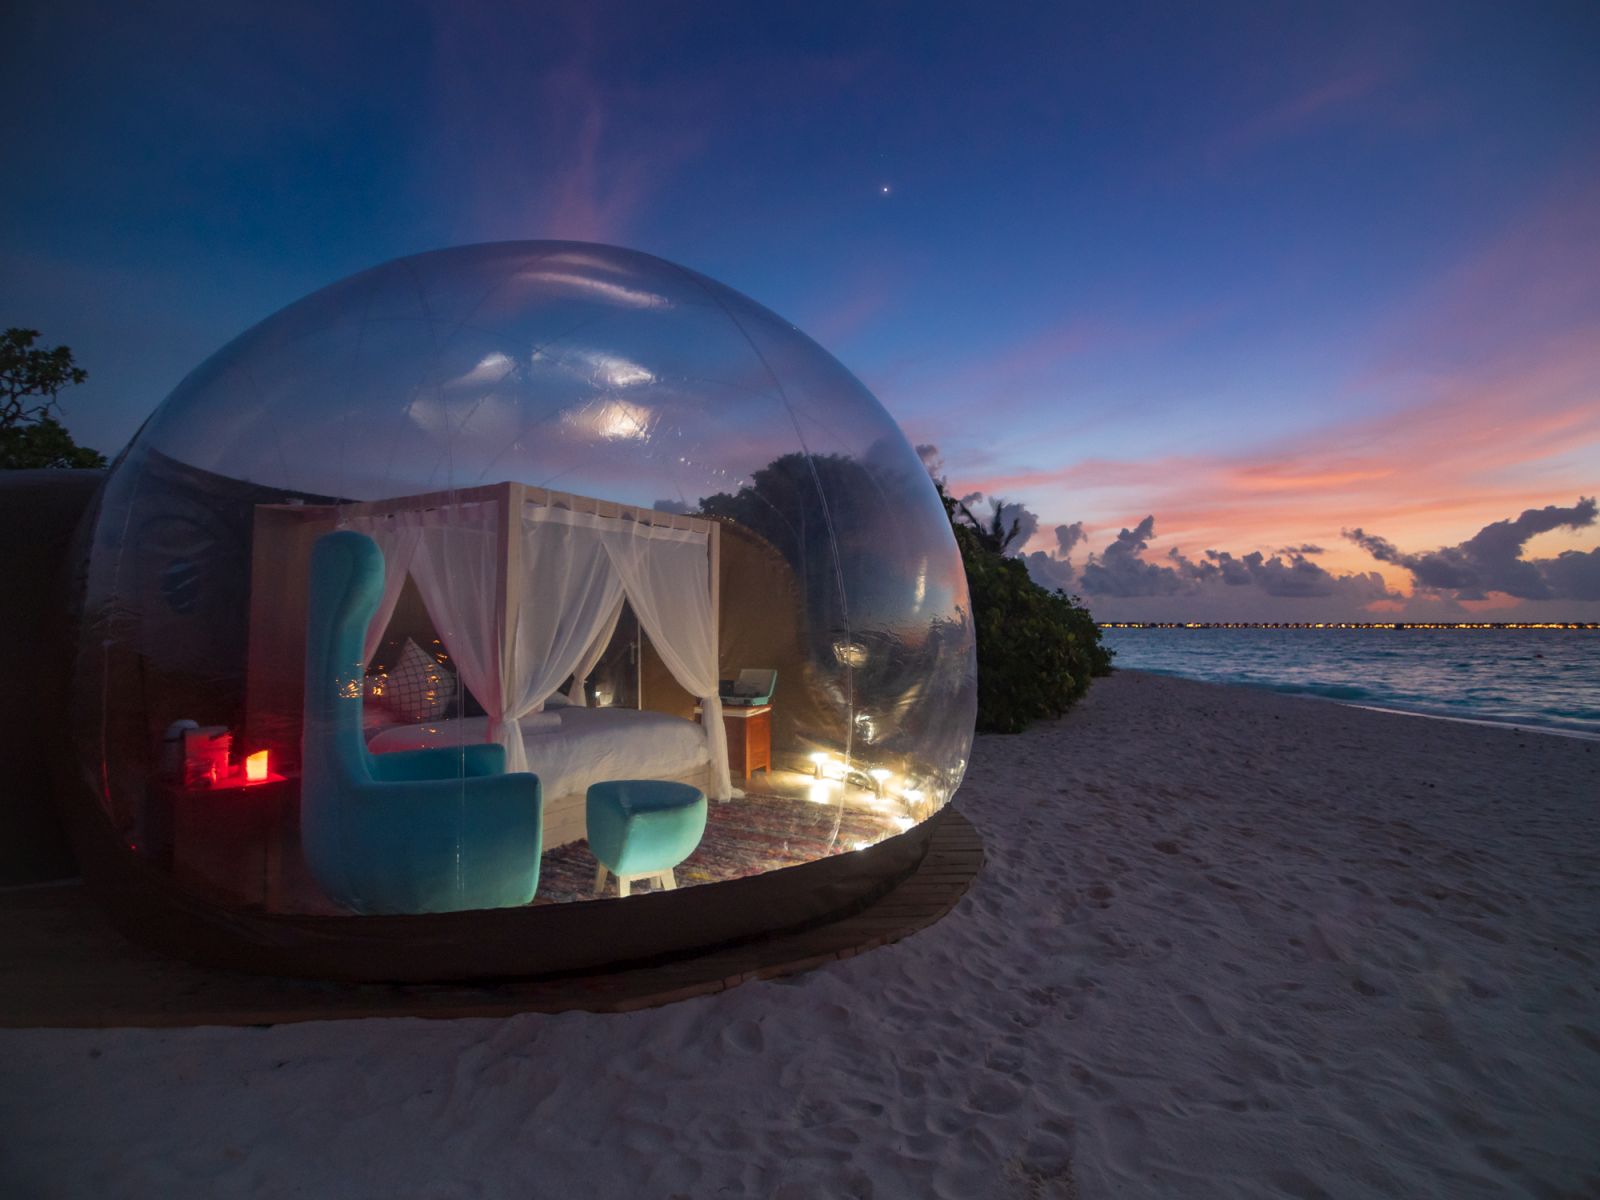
(588, 745)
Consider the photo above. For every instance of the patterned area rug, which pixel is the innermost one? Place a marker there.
(743, 837)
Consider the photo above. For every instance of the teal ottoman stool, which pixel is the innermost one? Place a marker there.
(642, 828)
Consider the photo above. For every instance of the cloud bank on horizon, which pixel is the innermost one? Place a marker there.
(1492, 559)
(1486, 572)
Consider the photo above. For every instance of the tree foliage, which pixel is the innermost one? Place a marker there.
(1037, 649)
(993, 535)
(30, 380)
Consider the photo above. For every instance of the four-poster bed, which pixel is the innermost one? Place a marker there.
(524, 586)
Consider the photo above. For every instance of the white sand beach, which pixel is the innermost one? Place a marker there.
(1226, 944)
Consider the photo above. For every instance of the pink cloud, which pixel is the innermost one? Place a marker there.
(1311, 106)
(1025, 374)
(1335, 94)
(1043, 352)
(868, 293)
(526, 139)
(1534, 280)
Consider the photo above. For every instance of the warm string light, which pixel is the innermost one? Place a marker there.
(831, 774)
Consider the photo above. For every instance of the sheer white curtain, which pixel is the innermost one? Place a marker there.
(565, 600)
(568, 602)
(666, 575)
(565, 591)
(591, 657)
(457, 568)
(398, 541)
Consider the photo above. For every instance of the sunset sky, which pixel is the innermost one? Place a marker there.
(1187, 282)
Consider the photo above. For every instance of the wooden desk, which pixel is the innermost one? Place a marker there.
(749, 739)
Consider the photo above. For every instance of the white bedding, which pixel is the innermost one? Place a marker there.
(589, 744)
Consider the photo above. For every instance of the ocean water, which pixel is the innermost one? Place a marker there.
(1541, 678)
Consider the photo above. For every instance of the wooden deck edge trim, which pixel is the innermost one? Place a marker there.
(954, 858)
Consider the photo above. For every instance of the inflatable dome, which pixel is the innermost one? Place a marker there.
(512, 608)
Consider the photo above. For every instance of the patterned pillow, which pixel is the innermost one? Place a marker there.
(418, 687)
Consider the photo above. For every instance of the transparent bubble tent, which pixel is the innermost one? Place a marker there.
(513, 608)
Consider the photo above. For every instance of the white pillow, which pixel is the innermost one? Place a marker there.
(419, 687)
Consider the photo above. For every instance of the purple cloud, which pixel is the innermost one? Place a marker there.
(1121, 572)
(1491, 560)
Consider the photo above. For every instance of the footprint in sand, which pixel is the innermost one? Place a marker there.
(1584, 1038)
(1047, 1176)
(1121, 1132)
(995, 1096)
(1487, 932)
(1048, 996)
(1365, 987)
(1195, 1011)
(1008, 1057)
(648, 1137)
(1092, 1084)
(744, 1037)
(1298, 1184)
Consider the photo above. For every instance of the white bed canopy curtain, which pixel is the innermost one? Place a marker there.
(665, 573)
(398, 541)
(576, 694)
(520, 613)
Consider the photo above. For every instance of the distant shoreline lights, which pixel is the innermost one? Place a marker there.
(1569, 625)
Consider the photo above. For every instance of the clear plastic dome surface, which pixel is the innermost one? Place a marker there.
(514, 511)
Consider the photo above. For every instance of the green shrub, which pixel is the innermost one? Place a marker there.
(1037, 649)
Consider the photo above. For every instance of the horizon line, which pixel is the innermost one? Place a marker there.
(1567, 625)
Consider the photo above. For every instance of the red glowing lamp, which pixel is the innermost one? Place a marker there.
(255, 767)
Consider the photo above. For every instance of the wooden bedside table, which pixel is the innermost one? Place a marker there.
(749, 739)
(228, 839)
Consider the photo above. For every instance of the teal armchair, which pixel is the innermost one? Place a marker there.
(416, 831)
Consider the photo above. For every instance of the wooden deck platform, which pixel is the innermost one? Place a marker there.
(62, 965)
